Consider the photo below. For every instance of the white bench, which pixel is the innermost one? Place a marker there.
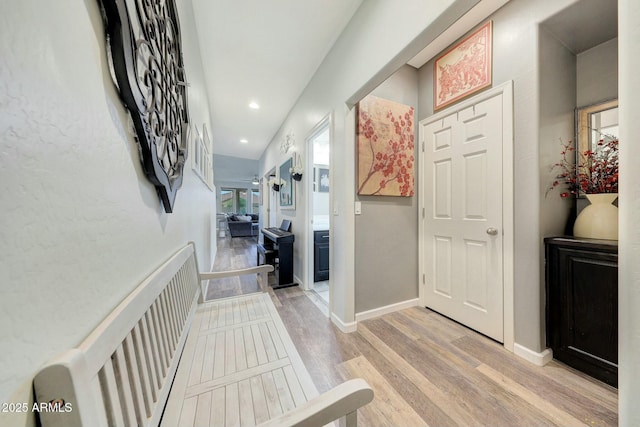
(165, 357)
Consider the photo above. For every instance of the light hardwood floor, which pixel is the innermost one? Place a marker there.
(428, 370)
(234, 253)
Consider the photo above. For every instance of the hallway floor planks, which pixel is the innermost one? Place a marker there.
(428, 370)
(233, 253)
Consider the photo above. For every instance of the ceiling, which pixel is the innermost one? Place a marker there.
(264, 52)
(585, 24)
(267, 52)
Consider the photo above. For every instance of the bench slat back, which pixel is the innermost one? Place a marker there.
(121, 373)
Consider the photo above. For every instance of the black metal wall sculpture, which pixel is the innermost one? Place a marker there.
(144, 49)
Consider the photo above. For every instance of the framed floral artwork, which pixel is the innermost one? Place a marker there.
(385, 148)
(464, 69)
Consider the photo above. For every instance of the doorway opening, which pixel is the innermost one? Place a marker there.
(319, 196)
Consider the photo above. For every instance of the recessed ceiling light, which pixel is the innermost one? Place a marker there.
(254, 105)
(244, 141)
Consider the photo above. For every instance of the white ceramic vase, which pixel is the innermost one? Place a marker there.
(599, 220)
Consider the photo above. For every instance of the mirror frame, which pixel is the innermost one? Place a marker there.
(583, 135)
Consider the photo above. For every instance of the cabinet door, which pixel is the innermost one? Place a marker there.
(584, 311)
(321, 256)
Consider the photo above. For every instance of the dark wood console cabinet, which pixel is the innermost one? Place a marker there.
(582, 304)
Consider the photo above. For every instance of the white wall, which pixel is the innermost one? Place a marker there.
(321, 204)
(229, 171)
(597, 74)
(80, 225)
(364, 56)
(629, 243)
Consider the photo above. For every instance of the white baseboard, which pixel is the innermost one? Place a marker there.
(539, 359)
(376, 312)
(300, 282)
(344, 327)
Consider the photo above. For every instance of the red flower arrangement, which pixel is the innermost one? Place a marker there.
(597, 171)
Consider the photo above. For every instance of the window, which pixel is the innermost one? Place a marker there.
(241, 201)
(255, 201)
(227, 197)
(236, 200)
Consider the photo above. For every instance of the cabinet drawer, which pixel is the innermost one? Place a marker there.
(321, 236)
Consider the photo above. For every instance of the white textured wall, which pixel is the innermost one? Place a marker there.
(80, 226)
(629, 204)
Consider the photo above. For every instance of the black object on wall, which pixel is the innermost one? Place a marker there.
(144, 49)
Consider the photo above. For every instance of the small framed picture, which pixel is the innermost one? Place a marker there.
(322, 180)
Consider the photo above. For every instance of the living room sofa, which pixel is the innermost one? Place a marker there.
(242, 225)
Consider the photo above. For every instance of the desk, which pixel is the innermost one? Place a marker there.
(279, 244)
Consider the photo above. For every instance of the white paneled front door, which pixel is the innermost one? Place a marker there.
(462, 230)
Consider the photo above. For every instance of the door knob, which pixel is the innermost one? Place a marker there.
(492, 231)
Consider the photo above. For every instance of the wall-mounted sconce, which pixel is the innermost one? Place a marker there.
(288, 142)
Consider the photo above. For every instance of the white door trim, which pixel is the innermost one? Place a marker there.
(325, 123)
(506, 89)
